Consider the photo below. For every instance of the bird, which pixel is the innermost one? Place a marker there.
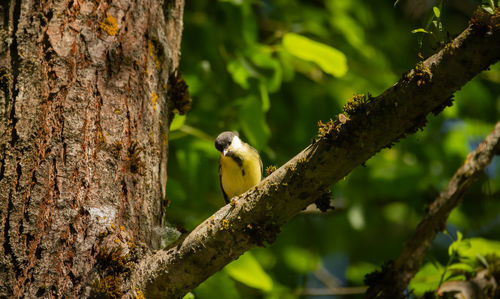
(240, 166)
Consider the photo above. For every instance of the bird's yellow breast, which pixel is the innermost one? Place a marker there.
(238, 179)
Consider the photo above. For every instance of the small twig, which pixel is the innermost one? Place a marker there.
(396, 276)
(328, 279)
(332, 284)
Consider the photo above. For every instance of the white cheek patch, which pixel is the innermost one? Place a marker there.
(236, 143)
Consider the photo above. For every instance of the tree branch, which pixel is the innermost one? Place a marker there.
(371, 124)
(394, 278)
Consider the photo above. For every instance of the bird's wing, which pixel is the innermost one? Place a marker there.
(260, 160)
(220, 182)
(261, 166)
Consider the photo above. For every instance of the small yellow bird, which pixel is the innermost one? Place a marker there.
(240, 166)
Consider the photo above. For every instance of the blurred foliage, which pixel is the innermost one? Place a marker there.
(466, 257)
(271, 70)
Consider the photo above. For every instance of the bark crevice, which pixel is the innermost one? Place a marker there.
(15, 64)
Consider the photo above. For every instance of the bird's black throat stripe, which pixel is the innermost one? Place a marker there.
(235, 158)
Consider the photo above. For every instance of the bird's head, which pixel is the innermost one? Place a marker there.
(226, 141)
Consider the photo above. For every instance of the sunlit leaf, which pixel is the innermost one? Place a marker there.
(241, 71)
(470, 248)
(300, 260)
(426, 279)
(488, 9)
(452, 247)
(461, 267)
(436, 11)
(264, 96)
(177, 122)
(329, 59)
(268, 69)
(189, 296)
(247, 270)
(489, 6)
(422, 30)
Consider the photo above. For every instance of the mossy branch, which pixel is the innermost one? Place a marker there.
(371, 124)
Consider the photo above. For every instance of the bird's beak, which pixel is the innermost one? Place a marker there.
(225, 151)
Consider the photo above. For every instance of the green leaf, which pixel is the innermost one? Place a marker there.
(241, 71)
(422, 30)
(488, 5)
(470, 248)
(436, 11)
(451, 248)
(268, 69)
(461, 267)
(455, 277)
(427, 279)
(264, 96)
(488, 9)
(329, 59)
(301, 260)
(248, 271)
(189, 296)
(177, 122)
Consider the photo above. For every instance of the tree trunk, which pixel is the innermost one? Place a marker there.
(83, 138)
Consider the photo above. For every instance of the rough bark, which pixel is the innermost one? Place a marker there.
(83, 136)
(370, 125)
(394, 279)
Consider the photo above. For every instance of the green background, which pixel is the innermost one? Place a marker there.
(271, 70)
